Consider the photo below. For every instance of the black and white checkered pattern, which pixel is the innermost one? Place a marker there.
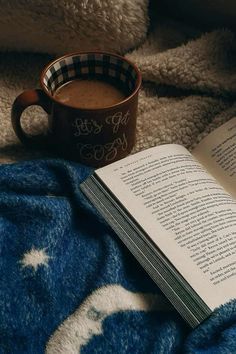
(97, 65)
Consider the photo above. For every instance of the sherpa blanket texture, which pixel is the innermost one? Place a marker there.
(67, 284)
(189, 88)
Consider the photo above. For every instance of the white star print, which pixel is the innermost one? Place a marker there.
(35, 258)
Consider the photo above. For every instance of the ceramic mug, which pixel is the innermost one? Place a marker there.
(93, 136)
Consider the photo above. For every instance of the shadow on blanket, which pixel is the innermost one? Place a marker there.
(68, 284)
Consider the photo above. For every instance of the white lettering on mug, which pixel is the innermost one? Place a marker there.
(107, 152)
(118, 119)
(86, 127)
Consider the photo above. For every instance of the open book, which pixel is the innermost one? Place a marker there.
(176, 212)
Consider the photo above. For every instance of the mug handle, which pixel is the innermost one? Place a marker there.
(26, 99)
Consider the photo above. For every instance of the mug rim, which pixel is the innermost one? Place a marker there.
(126, 99)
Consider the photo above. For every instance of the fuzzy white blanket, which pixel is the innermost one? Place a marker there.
(189, 84)
(189, 87)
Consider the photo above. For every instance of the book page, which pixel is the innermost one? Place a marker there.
(217, 152)
(185, 212)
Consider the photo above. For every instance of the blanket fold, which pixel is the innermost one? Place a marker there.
(68, 285)
(216, 334)
(204, 64)
(189, 88)
(189, 84)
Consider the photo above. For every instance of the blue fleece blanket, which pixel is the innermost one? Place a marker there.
(68, 285)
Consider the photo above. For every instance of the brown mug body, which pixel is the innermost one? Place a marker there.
(96, 136)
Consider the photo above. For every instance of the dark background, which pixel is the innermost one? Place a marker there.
(207, 14)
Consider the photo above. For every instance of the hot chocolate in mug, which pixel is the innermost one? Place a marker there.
(96, 125)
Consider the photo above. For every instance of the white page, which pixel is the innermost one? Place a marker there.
(185, 212)
(217, 152)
